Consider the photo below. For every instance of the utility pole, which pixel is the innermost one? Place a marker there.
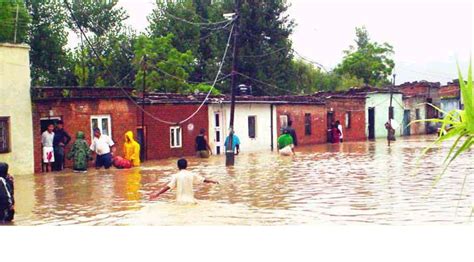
(144, 68)
(16, 23)
(229, 152)
(391, 111)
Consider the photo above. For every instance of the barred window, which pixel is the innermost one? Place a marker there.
(4, 134)
(252, 123)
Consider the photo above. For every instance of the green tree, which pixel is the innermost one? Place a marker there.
(107, 57)
(162, 58)
(9, 24)
(368, 60)
(96, 16)
(308, 79)
(264, 45)
(50, 63)
(197, 32)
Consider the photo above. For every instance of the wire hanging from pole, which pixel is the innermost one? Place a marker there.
(126, 93)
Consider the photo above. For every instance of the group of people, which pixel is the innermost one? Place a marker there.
(54, 140)
(203, 150)
(335, 132)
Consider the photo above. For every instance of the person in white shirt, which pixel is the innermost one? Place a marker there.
(339, 127)
(104, 148)
(47, 138)
(183, 182)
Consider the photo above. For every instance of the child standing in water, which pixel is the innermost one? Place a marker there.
(183, 181)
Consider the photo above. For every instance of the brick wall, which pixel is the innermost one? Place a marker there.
(450, 90)
(356, 106)
(296, 113)
(158, 134)
(76, 114)
(411, 90)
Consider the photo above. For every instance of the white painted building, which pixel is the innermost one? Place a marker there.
(377, 107)
(252, 124)
(16, 125)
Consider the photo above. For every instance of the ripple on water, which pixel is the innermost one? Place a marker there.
(352, 183)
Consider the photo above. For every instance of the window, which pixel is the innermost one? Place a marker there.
(283, 121)
(175, 137)
(4, 134)
(216, 119)
(252, 121)
(103, 123)
(417, 113)
(348, 119)
(390, 112)
(307, 124)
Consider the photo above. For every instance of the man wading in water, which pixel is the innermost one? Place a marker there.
(183, 182)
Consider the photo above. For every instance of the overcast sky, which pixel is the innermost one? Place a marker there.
(428, 36)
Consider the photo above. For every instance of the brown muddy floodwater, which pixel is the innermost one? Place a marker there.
(352, 183)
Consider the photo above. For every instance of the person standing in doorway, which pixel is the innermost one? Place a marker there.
(292, 132)
(339, 127)
(61, 139)
(203, 150)
(104, 148)
(235, 143)
(47, 138)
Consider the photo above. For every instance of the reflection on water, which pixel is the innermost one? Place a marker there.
(349, 183)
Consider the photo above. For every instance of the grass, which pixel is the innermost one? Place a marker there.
(456, 124)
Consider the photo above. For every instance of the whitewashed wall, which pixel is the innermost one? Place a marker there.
(263, 138)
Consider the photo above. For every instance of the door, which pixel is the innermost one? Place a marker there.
(218, 132)
(371, 119)
(44, 122)
(406, 121)
(141, 139)
(330, 120)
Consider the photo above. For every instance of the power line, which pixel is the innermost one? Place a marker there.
(215, 80)
(193, 23)
(267, 84)
(126, 93)
(265, 54)
(187, 81)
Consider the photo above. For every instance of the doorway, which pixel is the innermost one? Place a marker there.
(330, 119)
(141, 139)
(44, 123)
(371, 118)
(406, 122)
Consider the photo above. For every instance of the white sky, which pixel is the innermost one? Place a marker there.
(428, 36)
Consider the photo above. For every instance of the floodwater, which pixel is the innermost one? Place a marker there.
(345, 184)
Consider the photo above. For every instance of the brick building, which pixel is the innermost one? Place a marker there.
(450, 96)
(349, 109)
(309, 121)
(416, 99)
(81, 109)
(173, 139)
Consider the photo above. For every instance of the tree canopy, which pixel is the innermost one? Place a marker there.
(9, 22)
(368, 60)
